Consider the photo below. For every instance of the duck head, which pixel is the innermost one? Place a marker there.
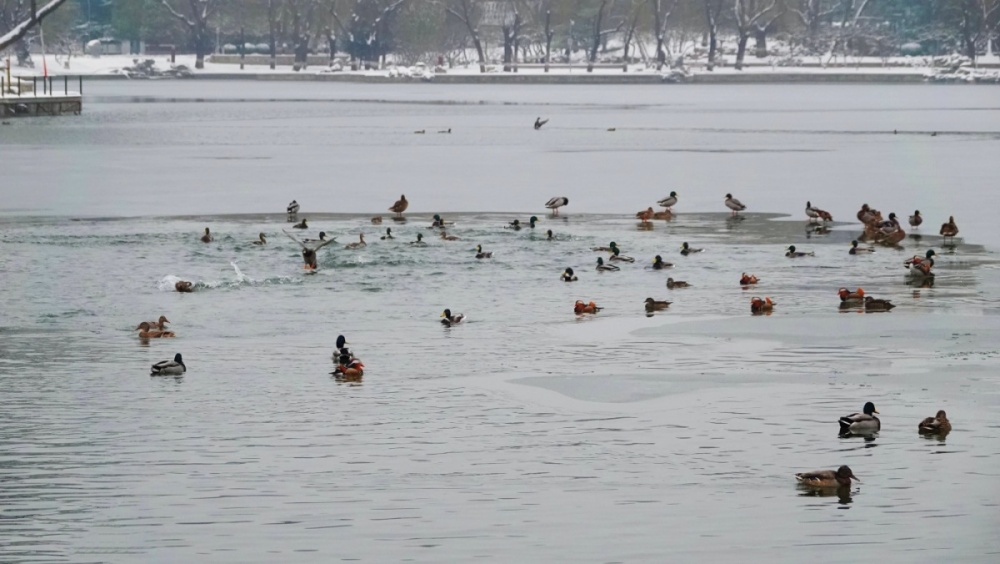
(446, 314)
(341, 341)
(533, 221)
(388, 230)
(930, 253)
(844, 473)
(613, 245)
(420, 236)
(479, 248)
(854, 244)
(549, 234)
(916, 213)
(869, 408)
(178, 359)
(261, 237)
(791, 248)
(163, 319)
(684, 247)
(673, 194)
(657, 259)
(600, 261)
(568, 273)
(144, 326)
(729, 196)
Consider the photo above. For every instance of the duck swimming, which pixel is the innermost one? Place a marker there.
(184, 286)
(856, 250)
(827, 478)
(549, 235)
(687, 250)
(938, 424)
(734, 204)
(532, 221)
(658, 263)
(448, 319)
(145, 332)
(439, 222)
(864, 423)
(609, 249)
(388, 234)
(160, 324)
(301, 225)
(816, 213)
(399, 206)
(357, 244)
(852, 298)
(656, 305)
(792, 253)
(261, 241)
(748, 279)
(447, 237)
(339, 346)
(309, 253)
(420, 241)
(377, 220)
(207, 237)
(671, 283)
(871, 304)
(481, 255)
(555, 203)
(169, 367)
(669, 201)
(601, 267)
(579, 307)
(921, 266)
(758, 306)
(515, 225)
(568, 275)
(618, 257)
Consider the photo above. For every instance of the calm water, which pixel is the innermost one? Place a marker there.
(527, 434)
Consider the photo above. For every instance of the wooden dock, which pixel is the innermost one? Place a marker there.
(39, 96)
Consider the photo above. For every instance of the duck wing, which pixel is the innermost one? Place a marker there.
(818, 476)
(292, 237)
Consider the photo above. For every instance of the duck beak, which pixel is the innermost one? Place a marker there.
(876, 411)
(442, 315)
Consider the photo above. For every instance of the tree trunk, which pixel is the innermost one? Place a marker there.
(597, 37)
(741, 50)
(479, 51)
(713, 32)
(760, 39)
(200, 48)
(272, 47)
(548, 39)
(508, 45)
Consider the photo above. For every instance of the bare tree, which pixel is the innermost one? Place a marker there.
(598, 33)
(635, 10)
(367, 30)
(17, 20)
(975, 18)
(197, 24)
(511, 29)
(549, 34)
(713, 13)
(661, 15)
(752, 16)
(467, 12)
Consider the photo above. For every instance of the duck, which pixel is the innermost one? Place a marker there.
(357, 244)
(260, 242)
(146, 332)
(446, 237)
(301, 225)
(792, 253)
(612, 129)
(568, 275)
(748, 279)
(207, 237)
(483, 255)
(856, 297)
(555, 203)
(889, 231)
(871, 304)
(339, 347)
(376, 220)
(309, 253)
(645, 215)
(758, 305)
(169, 367)
(539, 122)
(938, 424)
(184, 286)
(671, 283)
(354, 368)
(669, 201)
(399, 206)
(293, 208)
(515, 225)
(579, 307)
(609, 249)
(687, 250)
(916, 219)
(666, 215)
(658, 263)
(921, 266)
(856, 250)
(618, 257)
(388, 234)
(816, 213)
(322, 238)
(420, 131)
(447, 319)
(532, 221)
(866, 214)
(949, 229)
(445, 130)
(549, 235)
(734, 204)
(656, 305)
(601, 267)
(160, 323)
(827, 478)
(420, 241)
(439, 222)
(864, 423)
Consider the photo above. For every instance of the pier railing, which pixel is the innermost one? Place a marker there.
(17, 86)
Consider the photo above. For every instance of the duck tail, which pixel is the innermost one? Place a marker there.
(845, 425)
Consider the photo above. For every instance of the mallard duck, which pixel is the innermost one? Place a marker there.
(580, 307)
(399, 206)
(322, 238)
(671, 283)
(658, 263)
(669, 201)
(758, 305)
(169, 367)
(656, 305)
(568, 275)
(734, 204)
(618, 257)
(388, 234)
(949, 229)
(420, 241)
(160, 324)
(666, 215)
(448, 319)
(339, 348)
(446, 237)
(921, 266)
(439, 222)
(293, 208)
(357, 244)
(866, 214)
(916, 219)
(301, 225)
(207, 237)
(261, 241)
(532, 221)
(855, 249)
(377, 220)
(555, 203)
(938, 424)
(864, 423)
(515, 225)
(645, 215)
(481, 255)
(687, 250)
(549, 236)
(816, 213)
(609, 249)
(854, 298)
(146, 332)
(184, 286)
(889, 231)
(539, 122)
(309, 253)
(748, 279)
(601, 267)
(792, 253)
(871, 304)
(827, 478)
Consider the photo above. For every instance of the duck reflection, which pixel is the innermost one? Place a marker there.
(844, 493)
